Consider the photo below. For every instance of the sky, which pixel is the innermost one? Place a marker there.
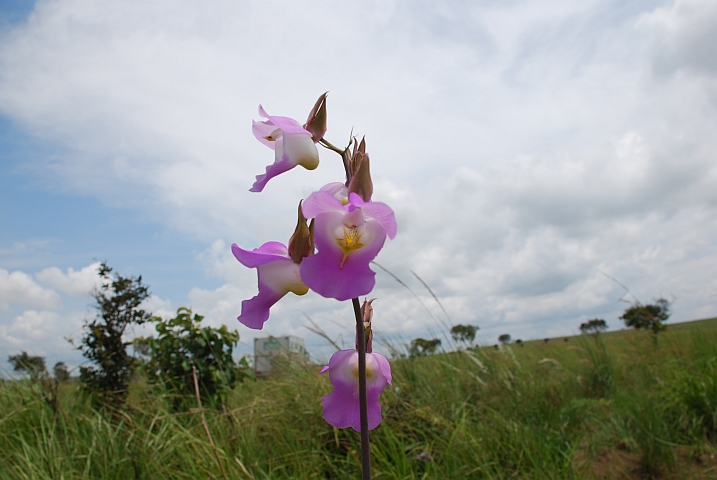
(539, 156)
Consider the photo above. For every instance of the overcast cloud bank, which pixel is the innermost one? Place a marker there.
(525, 147)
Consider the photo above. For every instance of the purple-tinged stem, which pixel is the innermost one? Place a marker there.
(360, 345)
(363, 406)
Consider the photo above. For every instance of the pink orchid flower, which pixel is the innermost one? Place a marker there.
(293, 145)
(341, 407)
(278, 275)
(348, 233)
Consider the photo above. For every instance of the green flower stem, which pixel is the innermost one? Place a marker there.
(326, 144)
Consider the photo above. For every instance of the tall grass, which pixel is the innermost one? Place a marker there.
(618, 406)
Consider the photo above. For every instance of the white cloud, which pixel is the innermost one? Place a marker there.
(525, 146)
(43, 333)
(18, 288)
(685, 35)
(31, 326)
(80, 282)
(159, 307)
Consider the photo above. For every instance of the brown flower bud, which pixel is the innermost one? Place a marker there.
(301, 243)
(316, 123)
(367, 313)
(360, 183)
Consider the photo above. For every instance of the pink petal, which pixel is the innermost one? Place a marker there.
(338, 190)
(338, 362)
(292, 145)
(323, 272)
(355, 199)
(383, 214)
(255, 312)
(261, 130)
(277, 276)
(341, 407)
(384, 366)
(282, 276)
(271, 171)
(269, 252)
(320, 202)
(286, 124)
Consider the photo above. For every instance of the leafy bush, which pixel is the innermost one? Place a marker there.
(181, 344)
(504, 339)
(118, 301)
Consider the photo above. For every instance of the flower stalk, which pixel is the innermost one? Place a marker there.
(363, 404)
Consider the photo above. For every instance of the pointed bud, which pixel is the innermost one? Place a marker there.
(301, 243)
(361, 181)
(362, 145)
(356, 155)
(316, 123)
(367, 313)
(360, 172)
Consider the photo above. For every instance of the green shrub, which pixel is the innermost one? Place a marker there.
(182, 343)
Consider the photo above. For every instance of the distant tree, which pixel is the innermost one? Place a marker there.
(504, 339)
(61, 372)
(182, 343)
(464, 333)
(650, 317)
(594, 326)
(118, 303)
(421, 347)
(32, 365)
(519, 342)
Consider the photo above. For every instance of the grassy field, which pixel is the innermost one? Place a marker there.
(620, 406)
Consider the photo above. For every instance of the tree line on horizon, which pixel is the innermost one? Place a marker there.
(183, 351)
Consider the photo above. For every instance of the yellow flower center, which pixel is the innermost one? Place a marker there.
(349, 240)
(370, 370)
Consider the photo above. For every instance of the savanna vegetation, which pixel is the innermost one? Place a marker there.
(617, 405)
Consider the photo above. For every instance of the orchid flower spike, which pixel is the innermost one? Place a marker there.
(341, 407)
(349, 233)
(293, 145)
